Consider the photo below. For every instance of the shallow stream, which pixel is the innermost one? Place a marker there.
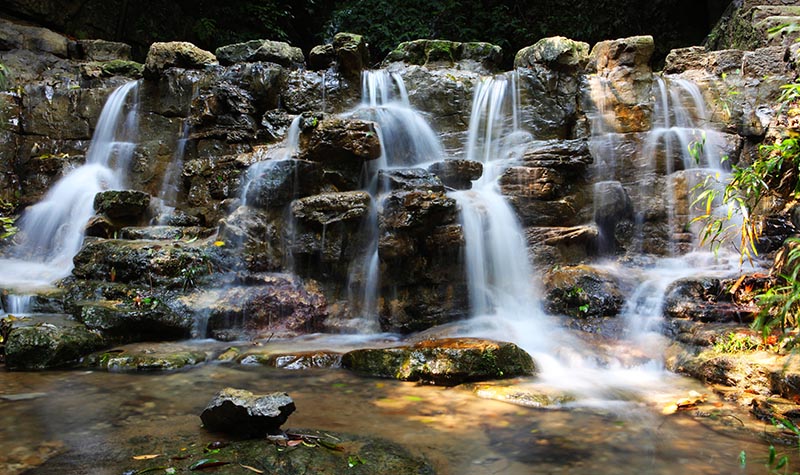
(93, 422)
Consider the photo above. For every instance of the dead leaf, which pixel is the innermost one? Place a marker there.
(252, 469)
(146, 457)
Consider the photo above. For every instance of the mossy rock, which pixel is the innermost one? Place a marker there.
(122, 360)
(151, 320)
(445, 362)
(44, 342)
(122, 67)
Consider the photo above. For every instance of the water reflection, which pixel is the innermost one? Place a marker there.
(94, 422)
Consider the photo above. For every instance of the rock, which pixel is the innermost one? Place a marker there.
(557, 53)
(341, 146)
(329, 208)
(416, 209)
(765, 62)
(271, 305)
(409, 179)
(276, 183)
(704, 300)
(102, 50)
(165, 232)
(583, 291)
(351, 53)
(340, 139)
(633, 52)
(261, 50)
(611, 205)
(176, 54)
(144, 359)
(457, 174)
(291, 361)
(685, 59)
(478, 57)
(174, 264)
(520, 395)
(562, 245)
(241, 413)
(256, 236)
(146, 320)
(43, 342)
(37, 39)
(446, 362)
(125, 205)
(121, 67)
(624, 80)
(321, 57)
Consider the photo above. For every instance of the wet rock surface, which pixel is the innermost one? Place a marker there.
(134, 321)
(446, 362)
(145, 359)
(260, 50)
(583, 291)
(42, 342)
(176, 54)
(241, 413)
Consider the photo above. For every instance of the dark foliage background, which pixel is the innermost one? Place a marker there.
(305, 23)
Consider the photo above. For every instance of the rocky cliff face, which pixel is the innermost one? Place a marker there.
(224, 119)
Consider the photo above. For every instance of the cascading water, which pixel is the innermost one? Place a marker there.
(406, 141)
(52, 231)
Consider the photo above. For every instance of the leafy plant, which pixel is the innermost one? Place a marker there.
(735, 342)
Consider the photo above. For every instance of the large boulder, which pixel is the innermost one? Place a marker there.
(143, 319)
(149, 358)
(116, 209)
(261, 306)
(102, 50)
(446, 362)
(241, 413)
(172, 263)
(583, 291)
(557, 53)
(43, 342)
(261, 50)
(479, 57)
(175, 54)
(18, 36)
(623, 82)
(351, 53)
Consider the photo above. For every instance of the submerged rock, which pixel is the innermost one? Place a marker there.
(144, 359)
(324, 452)
(445, 362)
(242, 413)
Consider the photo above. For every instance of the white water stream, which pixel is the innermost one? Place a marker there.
(51, 232)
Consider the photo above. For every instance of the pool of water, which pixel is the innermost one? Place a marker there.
(94, 423)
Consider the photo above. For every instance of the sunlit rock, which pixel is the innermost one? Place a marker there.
(445, 362)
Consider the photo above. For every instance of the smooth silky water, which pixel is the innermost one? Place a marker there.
(95, 422)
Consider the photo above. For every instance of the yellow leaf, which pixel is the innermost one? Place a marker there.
(219, 243)
(146, 457)
(252, 469)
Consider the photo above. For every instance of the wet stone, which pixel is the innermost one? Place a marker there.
(242, 413)
(446, 362)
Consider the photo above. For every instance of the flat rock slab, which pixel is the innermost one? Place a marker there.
(145, 358)
(446, 362)
(283, 360)
(242, 413)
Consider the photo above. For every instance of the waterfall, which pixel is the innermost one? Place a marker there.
(51, 232)
(498, 279)
(406, 141)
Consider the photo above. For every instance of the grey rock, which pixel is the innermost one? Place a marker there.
(175, 54)
(242, 413)
(261, 50)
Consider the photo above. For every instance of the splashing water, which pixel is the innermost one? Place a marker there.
(52, 231)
